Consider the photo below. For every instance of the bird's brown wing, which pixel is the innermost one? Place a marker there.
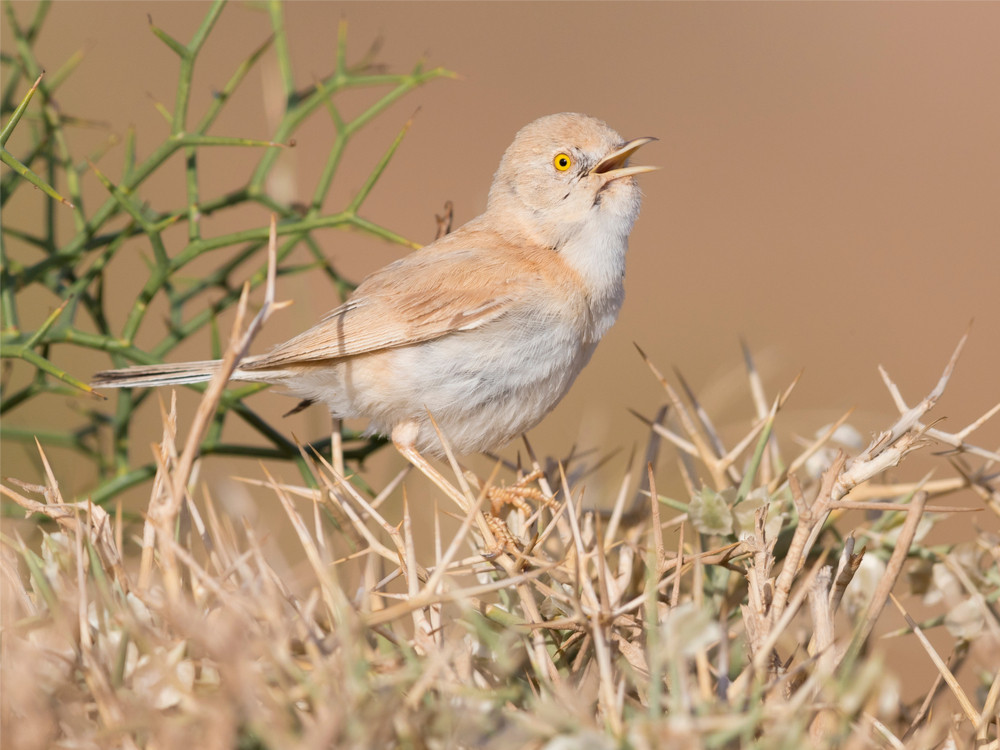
(423, 296)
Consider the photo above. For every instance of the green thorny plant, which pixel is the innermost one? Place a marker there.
(73, 267)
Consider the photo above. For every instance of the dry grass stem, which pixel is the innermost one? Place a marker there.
(386, 622)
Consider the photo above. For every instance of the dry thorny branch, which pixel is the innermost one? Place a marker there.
(587, 617)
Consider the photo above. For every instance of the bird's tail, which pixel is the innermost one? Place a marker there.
(146, 376)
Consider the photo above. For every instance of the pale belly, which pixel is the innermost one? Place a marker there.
(482, 387)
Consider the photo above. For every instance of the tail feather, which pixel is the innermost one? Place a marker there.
(146, 376)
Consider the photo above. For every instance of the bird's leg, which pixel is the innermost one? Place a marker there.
(404, 438)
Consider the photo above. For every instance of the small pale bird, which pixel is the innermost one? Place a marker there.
(486, 328)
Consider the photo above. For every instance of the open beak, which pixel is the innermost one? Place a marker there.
(613, 166)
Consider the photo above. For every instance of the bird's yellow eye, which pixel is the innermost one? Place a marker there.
(562, 162)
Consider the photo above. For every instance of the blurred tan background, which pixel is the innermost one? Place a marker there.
(830, 182)
(830, 186)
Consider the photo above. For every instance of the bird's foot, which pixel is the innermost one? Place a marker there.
(517, 495)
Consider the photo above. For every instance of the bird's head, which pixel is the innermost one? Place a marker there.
(564, 173)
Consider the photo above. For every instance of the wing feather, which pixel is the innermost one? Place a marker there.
(431, 293)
